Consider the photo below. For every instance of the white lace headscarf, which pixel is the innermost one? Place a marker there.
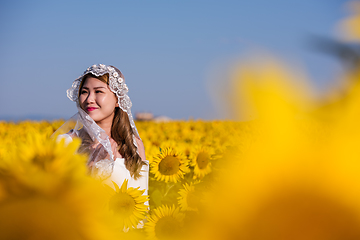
(101, 167)
(116, 83)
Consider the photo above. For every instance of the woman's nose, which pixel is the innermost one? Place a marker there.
(90, 98)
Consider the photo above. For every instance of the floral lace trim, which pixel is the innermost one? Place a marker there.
(103, 169)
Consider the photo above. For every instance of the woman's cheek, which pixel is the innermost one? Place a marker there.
(81, 101)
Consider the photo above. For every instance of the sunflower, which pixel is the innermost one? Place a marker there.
(169, 166)
(288, 185)
(350, 26)
(128, 205)
(188, 200)
(44, 164)
(201, 161)
(165, 223)
(46, 194)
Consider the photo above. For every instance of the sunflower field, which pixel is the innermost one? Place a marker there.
(45, 192)
(291, 170)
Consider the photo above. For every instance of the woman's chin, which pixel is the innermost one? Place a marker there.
(93, 116)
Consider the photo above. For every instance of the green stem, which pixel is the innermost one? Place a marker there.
(168, 188)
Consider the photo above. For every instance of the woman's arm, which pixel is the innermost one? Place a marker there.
(67, 136)
(140, 147)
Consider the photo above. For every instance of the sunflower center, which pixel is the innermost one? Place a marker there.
(122, 204)
(167, 228)
(169, 165)
(202, 160)
(41, 160)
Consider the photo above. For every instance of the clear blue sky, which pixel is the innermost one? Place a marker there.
(167, 49)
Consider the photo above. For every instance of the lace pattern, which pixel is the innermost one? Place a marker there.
(95, 132)
(103, 169)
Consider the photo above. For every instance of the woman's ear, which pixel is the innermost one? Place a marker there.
(117, 101)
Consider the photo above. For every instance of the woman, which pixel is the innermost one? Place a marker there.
(106, 127)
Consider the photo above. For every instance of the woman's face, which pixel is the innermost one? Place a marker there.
(97, 100)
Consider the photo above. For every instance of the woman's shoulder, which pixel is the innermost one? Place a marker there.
(138, 142)
(140, 147)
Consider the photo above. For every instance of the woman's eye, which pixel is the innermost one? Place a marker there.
(82, 92)
(98, 91)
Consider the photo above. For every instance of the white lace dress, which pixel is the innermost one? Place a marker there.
(120, 172)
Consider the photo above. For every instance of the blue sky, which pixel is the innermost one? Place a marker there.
(167, 50)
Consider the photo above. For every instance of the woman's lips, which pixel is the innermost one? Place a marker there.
(89, 109)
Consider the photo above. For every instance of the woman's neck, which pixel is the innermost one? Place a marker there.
(106, 126)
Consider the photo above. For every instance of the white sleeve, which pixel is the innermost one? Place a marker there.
(67, 138)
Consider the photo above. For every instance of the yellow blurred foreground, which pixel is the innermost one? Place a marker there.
(291, 172)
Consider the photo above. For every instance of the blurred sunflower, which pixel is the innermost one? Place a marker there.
(165, 223)
(46, 194)
(201, 161)
(350, 27)
(40, 163)
(169, 166)
(188, 200)
(128, 205)
(295, 187)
